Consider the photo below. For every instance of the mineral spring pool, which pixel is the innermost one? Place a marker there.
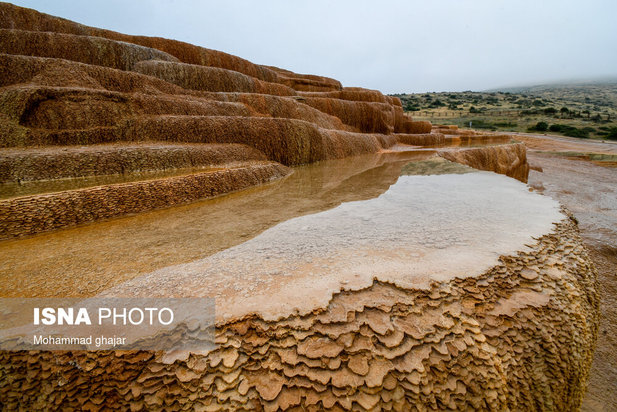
(403, 217)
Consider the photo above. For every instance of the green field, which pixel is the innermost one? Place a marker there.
(585, 110)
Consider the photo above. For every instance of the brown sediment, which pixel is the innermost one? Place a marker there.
(453, 130)
(283, 107)
(306, 82)
(211, 79)
(496, 341)
(356, 94)
(59, 162)
(415, 127)
(478, 139)
(509, 159)
(566, 144)
(85, 49)
(28, 215)
(421, 139)
(14, 17)
(59, 108)
(44, 71)
(368, 117)
(288, 141)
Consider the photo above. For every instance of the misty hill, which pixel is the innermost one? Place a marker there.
(601, 92)
(575, 109)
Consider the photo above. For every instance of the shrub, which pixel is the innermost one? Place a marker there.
(481, 124)
(555, 127)
(506, 124)
(437, 103)
(612, 133)
(540, 126)
(550, 110)
(574, 132)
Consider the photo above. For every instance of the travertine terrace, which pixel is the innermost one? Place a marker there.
(374, 288)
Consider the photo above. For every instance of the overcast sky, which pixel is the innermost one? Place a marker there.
(393, 46)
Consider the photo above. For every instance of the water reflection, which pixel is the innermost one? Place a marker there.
(436, 222)
(85, 260)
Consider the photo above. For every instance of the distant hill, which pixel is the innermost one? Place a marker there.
(600, 92)
(578, 109)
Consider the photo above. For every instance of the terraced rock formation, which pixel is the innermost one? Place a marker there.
(64, 84)
(96, 124)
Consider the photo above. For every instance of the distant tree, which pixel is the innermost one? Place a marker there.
(550, 111)
(555, 127)
(541, 126)
(472, 109)
(411, 107)
(437, 103)
(564, 111)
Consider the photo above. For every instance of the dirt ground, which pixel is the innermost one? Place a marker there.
(589, 190)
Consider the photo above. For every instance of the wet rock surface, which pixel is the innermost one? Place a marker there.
(589, 190)
(497, 341)
(27, 215)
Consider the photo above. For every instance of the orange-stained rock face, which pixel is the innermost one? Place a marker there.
(510, 160)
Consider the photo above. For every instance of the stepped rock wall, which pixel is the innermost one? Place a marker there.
(42, 71)
(285, 107)
(56, 108)
(85, 49)
(13, 17)
(306, 82)
(415, 127)
(368, 117)
(421, 139)
(50, 163)
(288, 141)
(211, 79)
(356, 94)
(28, 215)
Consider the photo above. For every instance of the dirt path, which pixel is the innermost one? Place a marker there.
(590, 192)
(565, 144)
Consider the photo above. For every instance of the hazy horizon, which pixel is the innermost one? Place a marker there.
(393, 46)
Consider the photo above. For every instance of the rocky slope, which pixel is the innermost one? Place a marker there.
(63, 84)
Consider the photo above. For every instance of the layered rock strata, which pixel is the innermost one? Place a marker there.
(26, 215)
(46, 163)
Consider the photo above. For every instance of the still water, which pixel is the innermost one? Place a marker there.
(406, 216)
